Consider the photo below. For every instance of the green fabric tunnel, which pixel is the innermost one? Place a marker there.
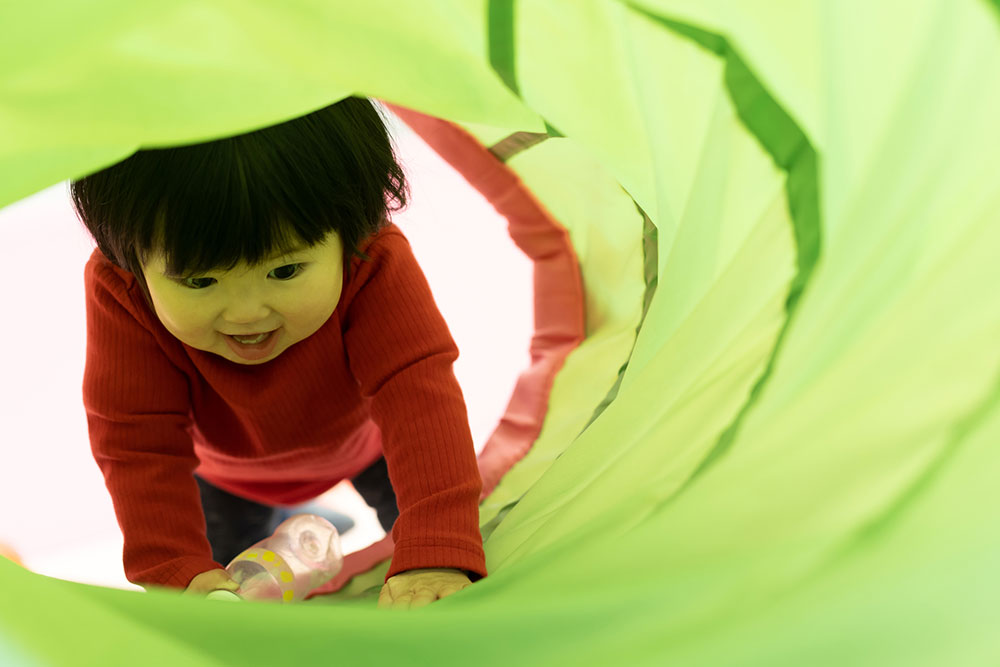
(776, 442)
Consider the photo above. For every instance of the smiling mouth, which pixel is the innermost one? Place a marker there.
(251, 339)
(253, 347)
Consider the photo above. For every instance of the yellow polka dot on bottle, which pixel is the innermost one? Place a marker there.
(277, 568)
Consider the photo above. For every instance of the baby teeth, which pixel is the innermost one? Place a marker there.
(256, 339)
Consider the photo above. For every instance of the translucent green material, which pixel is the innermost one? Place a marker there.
(799, 462)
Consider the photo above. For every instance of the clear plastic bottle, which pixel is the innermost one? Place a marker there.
(303, 553)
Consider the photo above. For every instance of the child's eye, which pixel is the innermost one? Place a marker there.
(197, 283)
(285, 272)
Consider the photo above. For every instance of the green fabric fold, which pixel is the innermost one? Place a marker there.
(797, 464)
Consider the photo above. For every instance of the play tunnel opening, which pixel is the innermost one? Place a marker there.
(481, 281)
(799, 457)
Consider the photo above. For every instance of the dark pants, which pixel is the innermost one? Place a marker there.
(232, 523)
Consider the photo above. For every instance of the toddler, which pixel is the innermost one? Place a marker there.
(258, 331)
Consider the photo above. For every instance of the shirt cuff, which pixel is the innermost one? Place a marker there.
(418, 554)
(174, 573)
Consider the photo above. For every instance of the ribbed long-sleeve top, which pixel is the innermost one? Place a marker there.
(375, 378)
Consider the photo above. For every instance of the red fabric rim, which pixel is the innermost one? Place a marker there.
(559, 298)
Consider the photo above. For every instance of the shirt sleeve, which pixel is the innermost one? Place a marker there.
(137, 405)
(401, 353)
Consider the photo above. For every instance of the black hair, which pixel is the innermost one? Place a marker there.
(213, 205)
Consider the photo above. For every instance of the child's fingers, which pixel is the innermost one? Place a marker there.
(211, 580)
(385, 597)
(419, 588)
(423, 597)
(389, 600)
(452, 589)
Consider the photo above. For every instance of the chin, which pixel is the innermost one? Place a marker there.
(247, 362)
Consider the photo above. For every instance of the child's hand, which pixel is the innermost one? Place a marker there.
(209, 581)
(418, 588)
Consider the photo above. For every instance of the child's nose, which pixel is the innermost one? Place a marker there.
(246, 311)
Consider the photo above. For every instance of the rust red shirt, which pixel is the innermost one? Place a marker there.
(376, 378)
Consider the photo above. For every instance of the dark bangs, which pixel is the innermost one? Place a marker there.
(213, 205)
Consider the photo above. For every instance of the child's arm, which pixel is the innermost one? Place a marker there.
(137, 411)
(401, 353)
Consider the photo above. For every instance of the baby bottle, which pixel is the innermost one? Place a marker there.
(303, 553)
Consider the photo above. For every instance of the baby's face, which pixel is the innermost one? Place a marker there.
(251, 314)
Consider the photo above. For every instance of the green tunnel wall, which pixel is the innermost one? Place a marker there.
(778, 442)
